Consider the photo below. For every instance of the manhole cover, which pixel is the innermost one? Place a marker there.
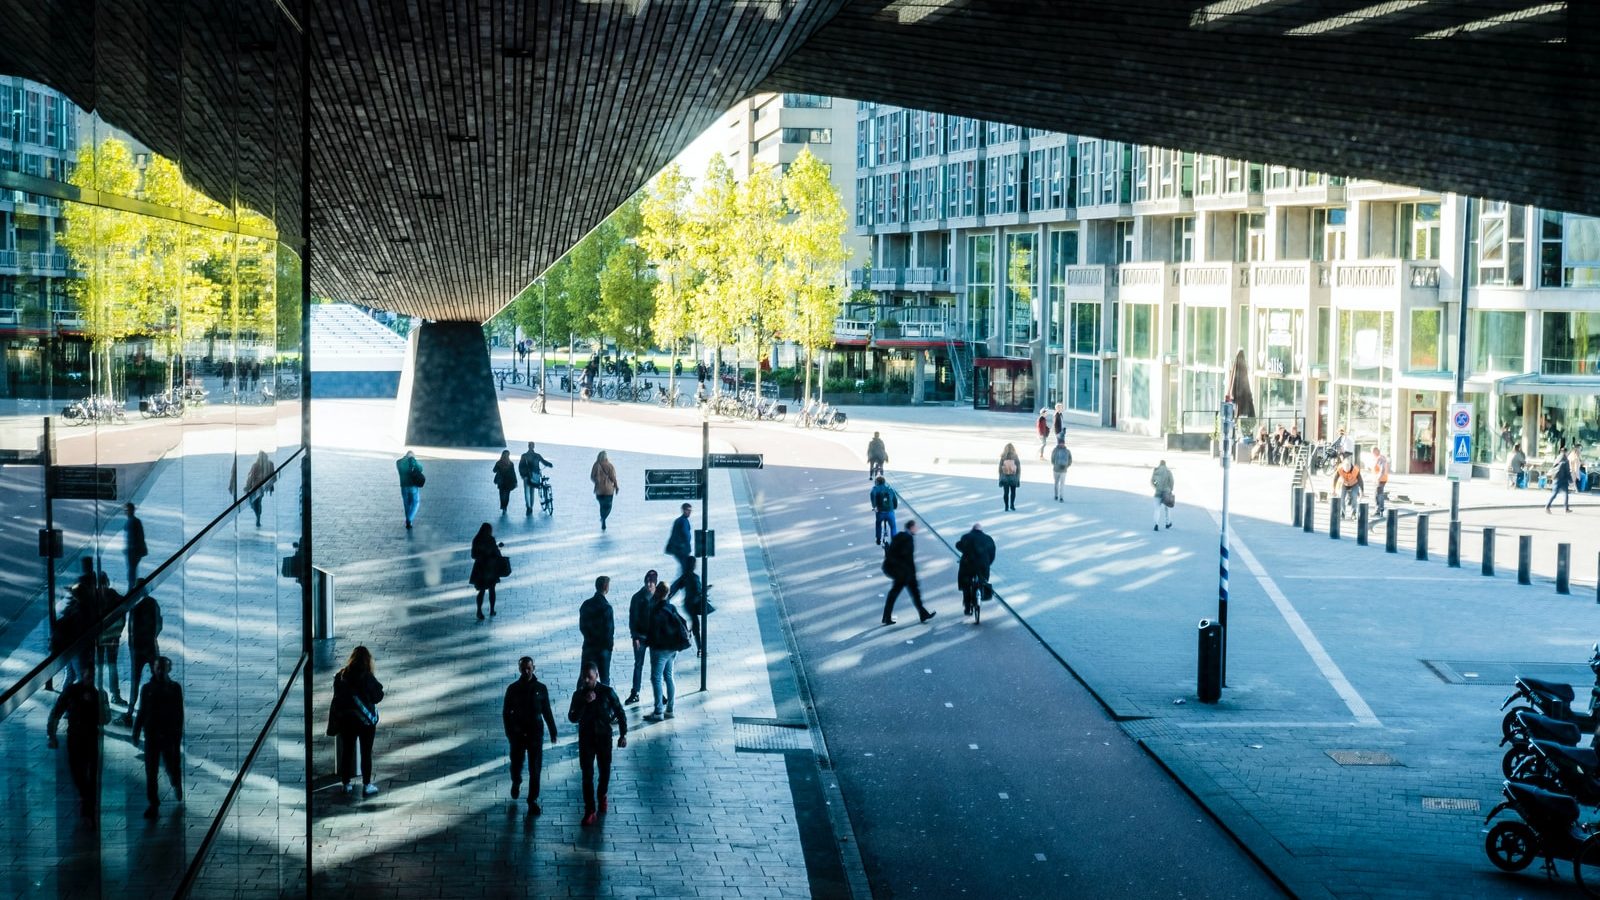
(1362, 758)
(1450, 803)
(769, 735)
(1503, 674)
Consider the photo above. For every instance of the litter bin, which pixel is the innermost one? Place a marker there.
(1210, 661)
(321, 603)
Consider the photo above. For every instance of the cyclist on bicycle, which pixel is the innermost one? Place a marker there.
(530, 466)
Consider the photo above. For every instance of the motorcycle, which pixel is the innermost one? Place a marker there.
(1554, 700)
(1536, 727)
(1548, 827)
(1565, 770)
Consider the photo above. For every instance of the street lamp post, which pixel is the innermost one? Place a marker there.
(544, 318)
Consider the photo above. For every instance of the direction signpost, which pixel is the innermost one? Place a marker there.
(1459, 468)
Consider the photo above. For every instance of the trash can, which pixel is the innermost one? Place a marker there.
(1210, 689)
(321, 603)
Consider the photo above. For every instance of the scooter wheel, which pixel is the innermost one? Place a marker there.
(1511, 846)
(1519, 762)
(1511, 728)
(1586, 866)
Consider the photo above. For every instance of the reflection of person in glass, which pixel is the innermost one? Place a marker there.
(134, 545)
(259, 482)
(160, 719)
(86, 709)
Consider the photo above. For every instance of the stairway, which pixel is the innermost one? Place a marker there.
(961, 365)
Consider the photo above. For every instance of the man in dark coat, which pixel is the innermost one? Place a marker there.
(599, 627)
(900, 564)
(680, 546)
(526, 713)
(639, 631)
(108, 644)
(86, 709)
(136, 548)
(594, 707)
(530, 466)
(972, 575)
(160, 720)
(144, 625)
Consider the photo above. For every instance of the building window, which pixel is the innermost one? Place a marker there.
(1497, 339)
(980, 285)
(1279, 337)
(895, 124)
(1140, 342)
(1419, 230)
(1250, 237)
(1327, 234)
(807, 101)
(1058, 194)
(1063, 253)
(862, 142)
(1571, 344)
(766, 109)
(1427, 341)
(1011, 172)
(1499, 245)
(991, 181)
(1204, 333)
(1084, 376)
(863, 202)
(1366, 345)
(1036, 178)
(1021, 313)
(1183, 239)
(808, 135)
(1569, 250)
(1124, 241)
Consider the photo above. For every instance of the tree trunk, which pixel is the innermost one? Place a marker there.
(716, 370)
(759, 360)
(806, 393)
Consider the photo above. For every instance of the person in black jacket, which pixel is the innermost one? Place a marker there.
(599, 628)
(594, 707)
(135, 546)
(668, 636)
(526, 712)
(160, 719)
(144, 625)
(639, 631)
(530, 466)
(680, 546)
(86, 709)
(900, 564)
(505, 478)
(353, 718)
(485, 565)
(108, 643)
(972, 574)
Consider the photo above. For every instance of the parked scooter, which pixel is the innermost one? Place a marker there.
(1554, 700)
(1548, 827)
(1565, 770)
(1532, 726)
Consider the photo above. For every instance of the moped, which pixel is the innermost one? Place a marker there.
(1548, 827)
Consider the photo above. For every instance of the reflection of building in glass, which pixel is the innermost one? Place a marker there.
(1125, 277)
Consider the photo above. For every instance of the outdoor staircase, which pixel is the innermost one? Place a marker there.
(961, 364)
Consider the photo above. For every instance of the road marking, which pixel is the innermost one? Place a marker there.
(1372, 724)
(1366, 577)
(927, 671)
(1039, 857)
(1004, 796)
(1330, 670)
(972, 746)
(949, 706)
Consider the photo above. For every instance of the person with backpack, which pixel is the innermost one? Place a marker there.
(604, 476)
(900, 564)
(526, 712)
(669, 635)
(505, 478)
(1161, 481)
(411, 482)
(1060, 461)
(884, 501)
(1011, 469)
(353, 717)
(593, 708)
(972, 573)
(530, 467)
(1043, 427)
(877, 455)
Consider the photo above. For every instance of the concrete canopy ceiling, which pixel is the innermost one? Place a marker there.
(461, 146)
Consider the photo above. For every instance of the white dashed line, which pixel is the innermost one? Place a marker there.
(1004, 796)
(949, 706)
(927, 671)
(972, 746)
(1039, 857)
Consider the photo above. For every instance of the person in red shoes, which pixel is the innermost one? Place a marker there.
(594, 707)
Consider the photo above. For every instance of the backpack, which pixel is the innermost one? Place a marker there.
(885, 501)
(1008, 466)
(675, 630)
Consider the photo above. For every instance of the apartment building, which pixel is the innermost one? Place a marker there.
(38, 139)
(1038, 268)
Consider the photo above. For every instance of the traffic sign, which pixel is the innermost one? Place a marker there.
(736, 461)
(1461, 448)
(671, 476)
(1461, 418)
(672, 492)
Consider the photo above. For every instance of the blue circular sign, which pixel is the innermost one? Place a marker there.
(1462, 420)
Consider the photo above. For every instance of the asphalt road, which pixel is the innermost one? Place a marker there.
(970, 760)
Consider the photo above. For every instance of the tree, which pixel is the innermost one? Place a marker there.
(756, 241)
(105, 245)
(664, 237)
(712, 243)
(627, 298)
(814, 255)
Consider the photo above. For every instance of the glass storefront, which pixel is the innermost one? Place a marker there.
(1497, 341)
(1564, 419)
(1570, 343)
(1364, 412)
(980, 286)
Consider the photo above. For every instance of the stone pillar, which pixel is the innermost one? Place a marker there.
(447, 391)
(919, 368)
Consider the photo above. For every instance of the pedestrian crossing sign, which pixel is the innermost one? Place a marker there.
(1461, 450)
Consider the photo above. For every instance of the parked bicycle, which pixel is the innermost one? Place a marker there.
(165, 405)
(94, 409)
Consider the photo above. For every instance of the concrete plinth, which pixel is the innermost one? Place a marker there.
(447, 393)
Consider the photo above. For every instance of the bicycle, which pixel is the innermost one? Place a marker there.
(538, 401)
(547, 499)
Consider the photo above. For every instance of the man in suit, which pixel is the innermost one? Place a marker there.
(900, 564)
(526, 713)
(680, 546)
(160, 720)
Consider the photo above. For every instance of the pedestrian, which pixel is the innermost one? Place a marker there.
(1345, 444)
(1516, 468)
(669, 635)
(1061, 422)
(526, 712)
(258, 482)
(1380, 471)
(604, 476)
(1060, 461)
(1043, 427)
(900, 564)
(1347, 484)
(82, 610)
(108, 643)
(877, 455)
(598, 626)
(1011, 474)
(1161, 480)
(505, 478)
(86, 709)
(696, 606)
(530, 466)
(353, 717)
(680, 545)
(411, 482)
(160, 720)
(594, 707)
(133, 545)
(639, 630)
(144, 625)
(489, 565)
(972, 573)
(1561, 483)
(884, 501)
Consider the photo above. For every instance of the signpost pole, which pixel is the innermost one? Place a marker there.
(705, 528)
(1461, 353)
(49, 525)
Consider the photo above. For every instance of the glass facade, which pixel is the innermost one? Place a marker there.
(1497, 341)
(1022, 319)
(151, 304)
(1571, 343)
(980, 286)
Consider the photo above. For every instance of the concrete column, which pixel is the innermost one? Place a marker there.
(447, 391)
(919, 365)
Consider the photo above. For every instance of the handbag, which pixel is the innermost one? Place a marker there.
(367, 715)
(417, 478)
(1167, 499)
(502, 566)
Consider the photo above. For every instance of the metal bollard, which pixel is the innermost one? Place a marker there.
(1597, 591)
(1299, 499)
(1488, 552)
(1452, 554)
(1563, 568)
(1309, 519)
(1391, 525)
(1422, 536)
(1524, 559)
(1361, 525)
(1335, 516)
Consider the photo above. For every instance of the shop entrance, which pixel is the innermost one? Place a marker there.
(1422, 442)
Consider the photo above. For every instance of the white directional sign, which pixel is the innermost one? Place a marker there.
(1459, 467)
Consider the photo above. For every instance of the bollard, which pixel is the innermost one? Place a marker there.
(1309, 519)
(1335, 516)
(1299, 499)
(1563, 568)
(1361, 525)
(1488, 552)
(1452, 553)
(1391, 524)
(1524, 558)
(1422, 536)
(1597, 591)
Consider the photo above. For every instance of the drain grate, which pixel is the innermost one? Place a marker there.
(1450, 804)
(1362, 758)
(769, 735)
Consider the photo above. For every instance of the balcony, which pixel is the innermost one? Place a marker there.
(926, 279)
(1214, 284)
(1085, 283)
(851, 331)
(1154, 282)
(914, 324)
(1301, 285)
(49, 263)
(1385, 283)
(1367, 189)
(9, 260)
(66, 317)
(881, 279)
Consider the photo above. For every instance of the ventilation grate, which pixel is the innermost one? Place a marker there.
(769, 735)
(1362, 758)
(1450, 804)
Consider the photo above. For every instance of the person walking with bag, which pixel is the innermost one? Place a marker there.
(1043, 427)
(526, 712)
(1561, 482)
(1011, 471)
(972, 573)
(900, 564)
(1161, 480)
(639, 630)
(160, 720)
(884, 501)
(593, 708)
(505, 478)
(680, 545)
(1060, 461)
(599, 628)
(604, 476)
(353, 717)
(411, 482)
(669, 635)
(489, 565)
